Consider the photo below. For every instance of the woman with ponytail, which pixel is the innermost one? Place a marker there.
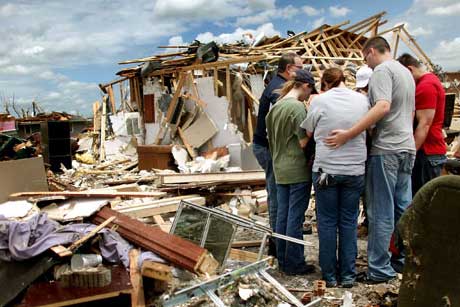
(338, 176)
(287, 141)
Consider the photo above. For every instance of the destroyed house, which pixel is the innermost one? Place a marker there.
(205, 96)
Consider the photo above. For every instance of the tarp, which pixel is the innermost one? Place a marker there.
(21, 240)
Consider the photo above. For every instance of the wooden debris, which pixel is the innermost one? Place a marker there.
(212, 177)
(89, 194)
(63, 252)
(160, 206)
(174, 249)
(156, 270)
(137, 294)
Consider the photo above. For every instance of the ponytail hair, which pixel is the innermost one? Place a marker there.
(332, 77)
(287, 87)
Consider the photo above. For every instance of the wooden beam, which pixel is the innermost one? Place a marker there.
(160, 207)
(249, 93)
(378, 15)
(112, 99)
(360, 35)
(200, 102)
(89, 194)
(212, 65)
(103, 128)
(137, 294)
(171, 108)
(174, 249)
(228, 86)
(166, 227)
(216, 81)
(242, 255)
(417, 46)
(250, 126)
(212, 177)
(112, 83)
(96, 116)
(395, 42)
(91, 234)
(174, 100)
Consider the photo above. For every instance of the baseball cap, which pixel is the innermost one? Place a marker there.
(362, 76)
(303, 75)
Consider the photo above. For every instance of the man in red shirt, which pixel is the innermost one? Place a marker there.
(429, 118)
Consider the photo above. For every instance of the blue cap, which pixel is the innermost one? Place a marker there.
(305, 76)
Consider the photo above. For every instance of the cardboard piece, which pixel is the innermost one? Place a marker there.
(24, 175)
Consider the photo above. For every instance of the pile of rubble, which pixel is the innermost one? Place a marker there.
(165, 184)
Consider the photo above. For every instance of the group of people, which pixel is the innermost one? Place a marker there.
(305, 138)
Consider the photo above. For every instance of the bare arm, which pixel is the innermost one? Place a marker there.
(425, 119)
(339, 137)
(303, 142)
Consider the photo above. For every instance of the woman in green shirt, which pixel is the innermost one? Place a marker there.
(293, 180)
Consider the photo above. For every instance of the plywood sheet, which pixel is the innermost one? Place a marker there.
(24, 175)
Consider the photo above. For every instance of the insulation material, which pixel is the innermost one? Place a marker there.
(257, 88)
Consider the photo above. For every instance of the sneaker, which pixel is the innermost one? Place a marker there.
(331, 284)
(307, 269)
(363, 278)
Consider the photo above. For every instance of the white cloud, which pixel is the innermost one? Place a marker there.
(41, 40)
(7, 9)
(447, 53)
(420, 31)
(423, 25)
(311, 11)
(267, 15)
(176, 41)
(33, 50)
(237, 35)
(415, 31)
(208, 10)
(338, 11)
(449, 10)
(318, 22)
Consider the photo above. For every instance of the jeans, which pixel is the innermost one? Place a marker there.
(337, 206)
(264, 158)
(388, 189)
(292, 203)
(426, 167)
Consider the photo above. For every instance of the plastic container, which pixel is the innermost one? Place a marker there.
(82, 261)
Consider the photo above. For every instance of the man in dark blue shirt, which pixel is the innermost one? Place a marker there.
(288, 64)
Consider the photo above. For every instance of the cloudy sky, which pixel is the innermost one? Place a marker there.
(56, 52)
